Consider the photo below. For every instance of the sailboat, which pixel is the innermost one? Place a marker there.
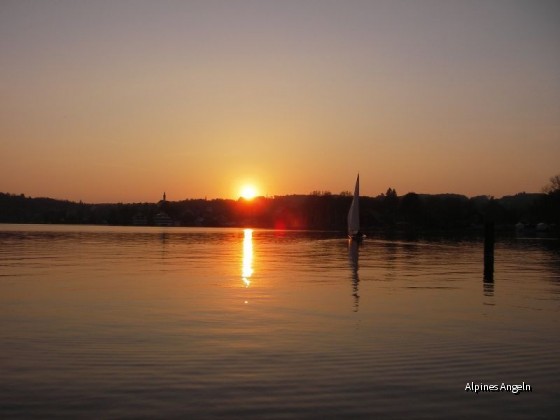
(354, 232)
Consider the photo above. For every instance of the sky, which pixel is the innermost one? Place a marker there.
(119, 101)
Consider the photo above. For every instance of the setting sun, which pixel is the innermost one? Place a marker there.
(248, 192)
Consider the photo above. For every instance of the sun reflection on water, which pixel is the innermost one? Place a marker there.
(247, 267)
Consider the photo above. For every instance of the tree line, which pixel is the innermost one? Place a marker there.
(318, 210)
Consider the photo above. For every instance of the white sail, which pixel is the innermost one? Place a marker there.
(354, 213)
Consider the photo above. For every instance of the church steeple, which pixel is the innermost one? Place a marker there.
(162, 218)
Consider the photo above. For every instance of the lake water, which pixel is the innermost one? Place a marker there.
(119, 322)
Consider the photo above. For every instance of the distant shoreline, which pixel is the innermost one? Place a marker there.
(318, 211)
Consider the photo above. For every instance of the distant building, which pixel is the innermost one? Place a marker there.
(139, 219)
(163, 202)
(162, 218)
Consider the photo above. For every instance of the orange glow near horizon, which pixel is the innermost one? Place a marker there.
(106, 110)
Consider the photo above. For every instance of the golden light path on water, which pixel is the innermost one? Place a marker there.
(247, 265)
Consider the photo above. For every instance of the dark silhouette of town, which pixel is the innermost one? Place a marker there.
(317, 210)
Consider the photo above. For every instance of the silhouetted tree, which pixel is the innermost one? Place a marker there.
(391, 193)
(391, 203)
(412, 209)
(550, 206)
(553, 186)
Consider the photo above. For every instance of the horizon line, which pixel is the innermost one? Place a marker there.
(321, 193)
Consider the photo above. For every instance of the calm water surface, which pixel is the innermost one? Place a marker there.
(114, 322)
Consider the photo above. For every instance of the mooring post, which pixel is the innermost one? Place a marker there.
(489, 251)
(489, 238)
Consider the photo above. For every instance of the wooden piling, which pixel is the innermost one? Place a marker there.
(489, 251)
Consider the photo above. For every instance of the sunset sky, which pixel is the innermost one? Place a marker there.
(106, 101)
